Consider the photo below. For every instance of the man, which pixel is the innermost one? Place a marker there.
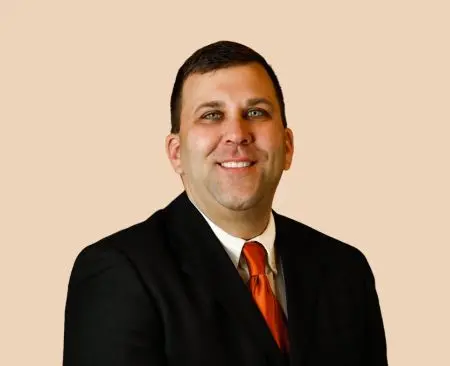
(217, 277)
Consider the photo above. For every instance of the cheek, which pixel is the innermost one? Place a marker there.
(276, 152)
(273, 144)
(197, 145)
(203, 140)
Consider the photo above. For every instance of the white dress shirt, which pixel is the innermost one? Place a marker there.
(233, 246)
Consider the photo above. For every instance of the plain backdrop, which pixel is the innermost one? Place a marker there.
(84, 110)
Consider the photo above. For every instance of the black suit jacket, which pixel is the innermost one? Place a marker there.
(164, 292)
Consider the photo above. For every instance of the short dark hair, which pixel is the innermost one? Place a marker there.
(218, 55)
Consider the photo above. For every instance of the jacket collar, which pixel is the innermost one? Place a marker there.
(201, 255)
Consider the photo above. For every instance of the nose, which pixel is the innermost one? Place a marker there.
(238, 131)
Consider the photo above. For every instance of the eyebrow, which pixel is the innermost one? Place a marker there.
(211, 104)
(254, 101)
(250, 103)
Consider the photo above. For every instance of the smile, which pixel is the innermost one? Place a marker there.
(236, 164)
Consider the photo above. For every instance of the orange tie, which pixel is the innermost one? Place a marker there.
(259, 285)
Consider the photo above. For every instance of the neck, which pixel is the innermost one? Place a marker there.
(245, 224)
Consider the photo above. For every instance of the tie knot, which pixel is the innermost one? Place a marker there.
(255, 255)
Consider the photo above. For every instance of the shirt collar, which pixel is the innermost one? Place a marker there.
(233, 245)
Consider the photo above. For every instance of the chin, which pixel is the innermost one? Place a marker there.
(239, 202)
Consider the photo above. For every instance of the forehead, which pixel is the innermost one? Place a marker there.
(230, 85)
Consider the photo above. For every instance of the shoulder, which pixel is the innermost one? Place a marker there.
(320, 246)
(116, 251)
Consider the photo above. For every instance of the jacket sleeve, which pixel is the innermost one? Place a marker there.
(110, 317)
(375, 345)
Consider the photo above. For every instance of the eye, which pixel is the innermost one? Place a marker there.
(256, 113)
(214, 115)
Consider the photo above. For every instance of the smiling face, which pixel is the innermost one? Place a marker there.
(232, 146)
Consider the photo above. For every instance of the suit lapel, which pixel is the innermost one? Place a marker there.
(301, 276)
(202, 255)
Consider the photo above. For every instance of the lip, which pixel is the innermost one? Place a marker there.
(238, 160)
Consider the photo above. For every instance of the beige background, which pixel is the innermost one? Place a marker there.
(84, 109)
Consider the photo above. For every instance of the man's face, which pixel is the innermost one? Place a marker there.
(232, 147)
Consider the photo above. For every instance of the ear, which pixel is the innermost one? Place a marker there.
(173, 151)
(289, 147)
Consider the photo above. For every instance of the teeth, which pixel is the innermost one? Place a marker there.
(236, 164)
